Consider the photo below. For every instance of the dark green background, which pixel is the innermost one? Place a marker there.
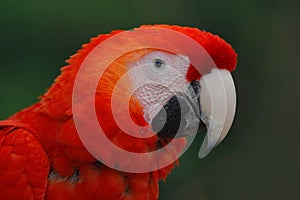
(260, 159)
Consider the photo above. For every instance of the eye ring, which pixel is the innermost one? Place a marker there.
(158, 63)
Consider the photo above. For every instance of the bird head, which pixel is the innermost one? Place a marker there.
(149, 96)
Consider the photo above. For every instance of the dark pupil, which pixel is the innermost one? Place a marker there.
(158, 63)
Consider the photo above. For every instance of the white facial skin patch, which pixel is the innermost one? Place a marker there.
(156, 77)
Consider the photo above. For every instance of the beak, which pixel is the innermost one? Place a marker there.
(209, 102)
(217, 107)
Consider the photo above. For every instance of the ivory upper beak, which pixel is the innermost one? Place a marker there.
(217, 106)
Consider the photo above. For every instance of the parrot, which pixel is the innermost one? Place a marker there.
(43, 156)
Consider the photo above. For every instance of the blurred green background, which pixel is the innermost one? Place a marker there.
(260, 159)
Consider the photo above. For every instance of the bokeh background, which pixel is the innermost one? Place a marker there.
(260, 159)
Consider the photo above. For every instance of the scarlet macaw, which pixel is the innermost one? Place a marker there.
(43, 157)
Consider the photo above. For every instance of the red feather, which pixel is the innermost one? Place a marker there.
(42, 140)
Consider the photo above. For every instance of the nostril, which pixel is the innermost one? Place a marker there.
(196, 86)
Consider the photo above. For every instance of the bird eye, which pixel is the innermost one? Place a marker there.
(158, 63)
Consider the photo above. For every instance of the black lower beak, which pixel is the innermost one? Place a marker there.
(180, 116)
